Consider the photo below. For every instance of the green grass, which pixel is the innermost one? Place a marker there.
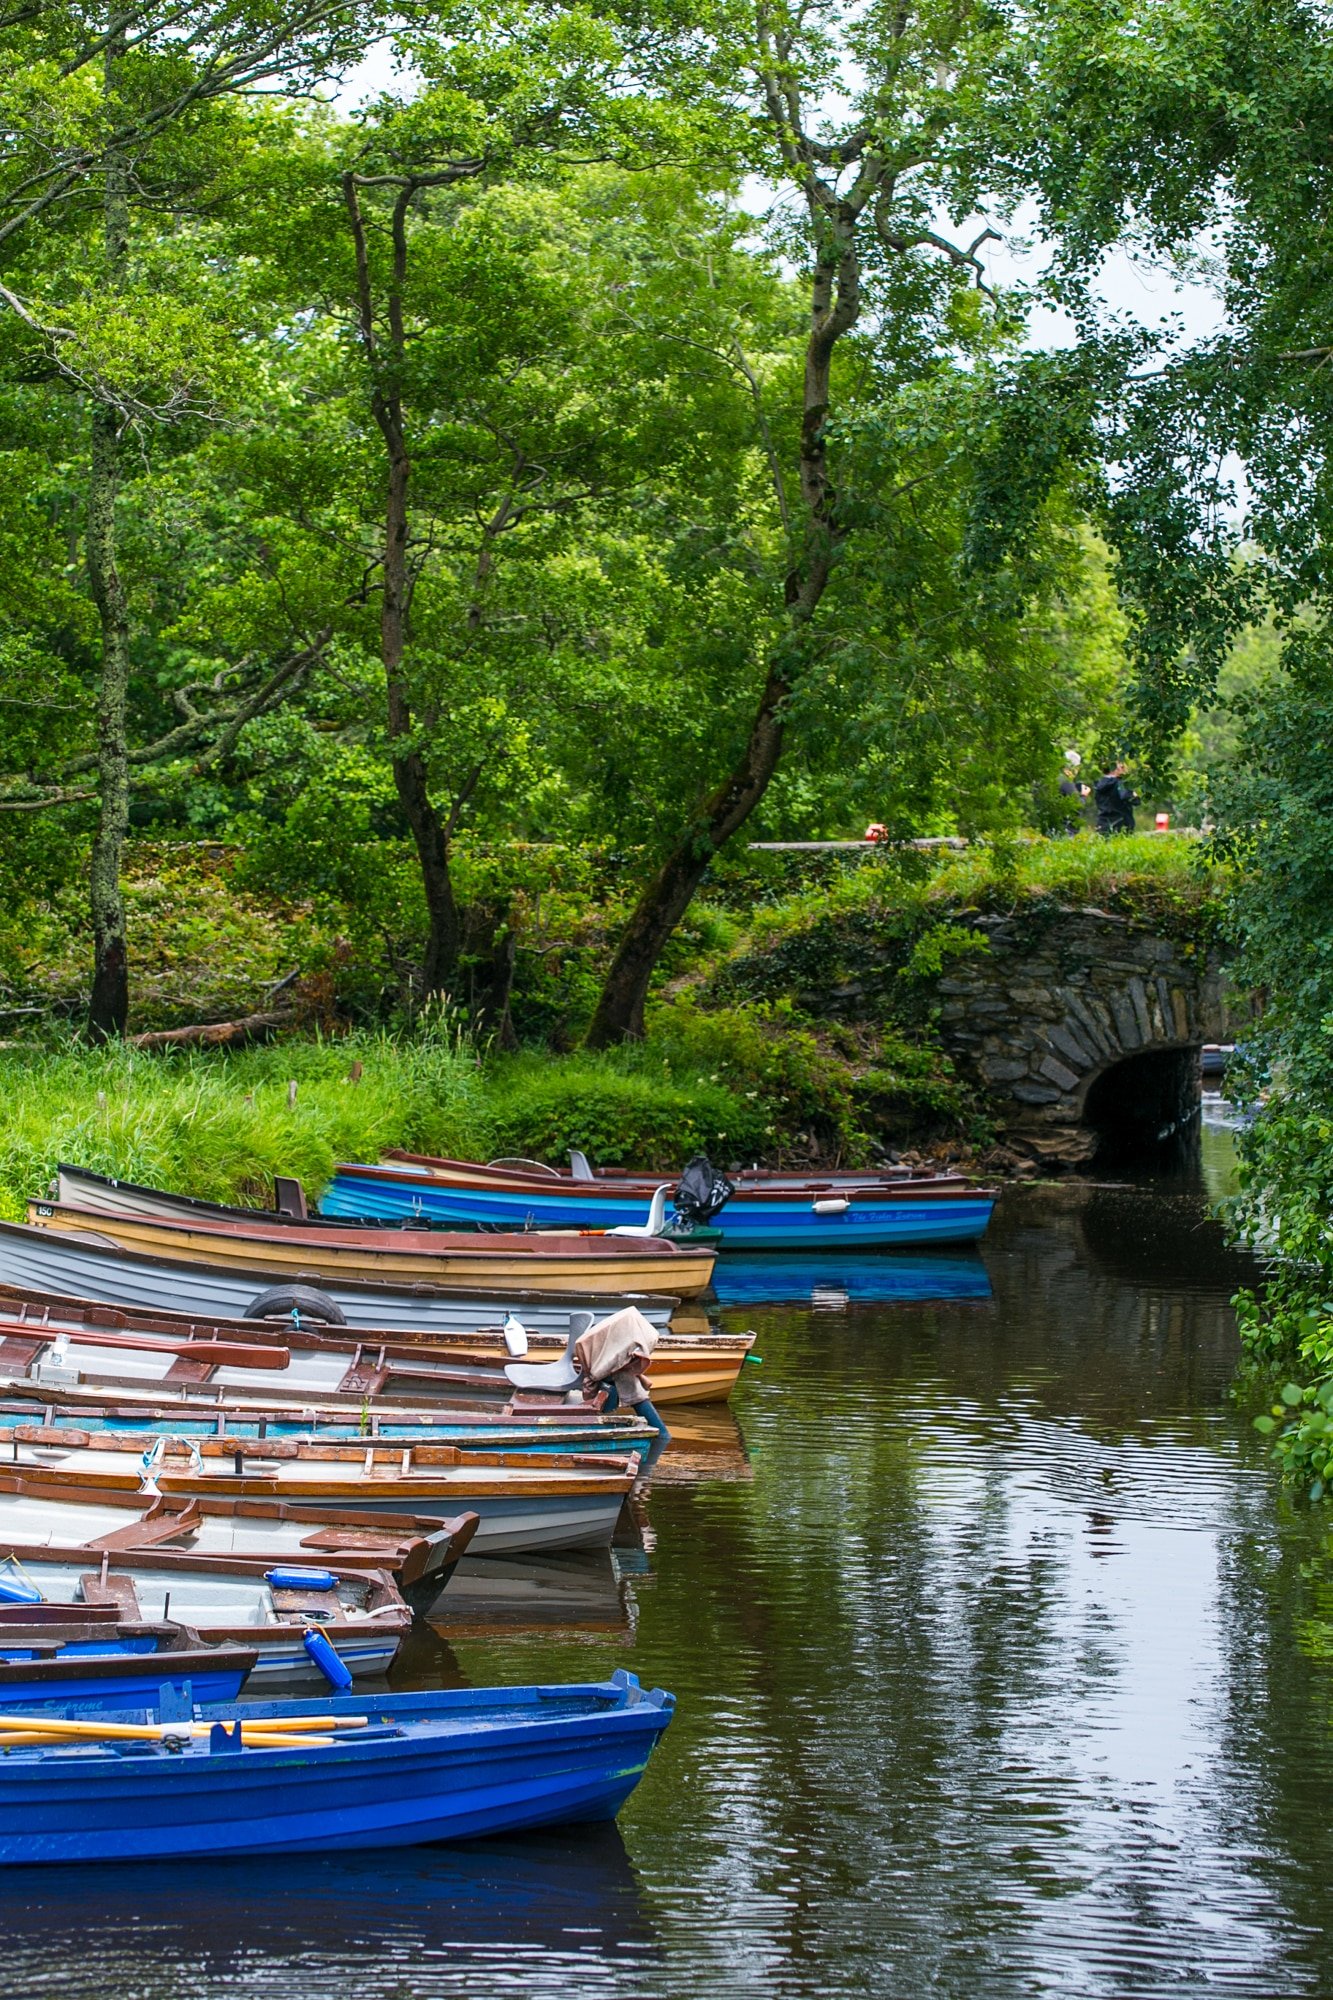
(1086, 869)
(220, 1125)
(734, 1065)
(1152, 875)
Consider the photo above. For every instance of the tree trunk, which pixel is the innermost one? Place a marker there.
(109, 1003)
(620, 1005)
(492, 955)
(443, 941)
(834, 305)
(440, 963)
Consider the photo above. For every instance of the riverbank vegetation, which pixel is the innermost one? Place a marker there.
(746, 1053)
(445, 522)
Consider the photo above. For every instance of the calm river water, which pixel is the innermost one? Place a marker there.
(989, 1640)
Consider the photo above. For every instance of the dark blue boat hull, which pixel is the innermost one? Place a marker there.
(447, 1766)
(102, 1687)
(776, 1223)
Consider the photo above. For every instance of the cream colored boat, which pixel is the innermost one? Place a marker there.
(565, 1262)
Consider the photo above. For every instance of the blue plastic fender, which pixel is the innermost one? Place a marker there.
(334, 1670)
(292, 1577)
(17, 1590)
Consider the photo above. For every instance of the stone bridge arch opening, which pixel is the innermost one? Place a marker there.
(1084, 1030)
(1144, 1107)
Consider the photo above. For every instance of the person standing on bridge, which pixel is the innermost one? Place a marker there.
(1114, 800)
(1073, 792)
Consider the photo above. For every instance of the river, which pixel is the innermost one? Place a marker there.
(987, 1628)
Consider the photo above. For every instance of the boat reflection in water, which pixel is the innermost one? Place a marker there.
(550, 1910)
(506, 1596)
(831, 1282)
(706, 1444)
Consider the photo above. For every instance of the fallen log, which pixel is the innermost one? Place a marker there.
(216, 1034)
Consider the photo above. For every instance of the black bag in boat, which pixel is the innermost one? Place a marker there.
(701, 1192)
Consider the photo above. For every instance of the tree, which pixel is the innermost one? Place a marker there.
(139, 138)
(868, 185)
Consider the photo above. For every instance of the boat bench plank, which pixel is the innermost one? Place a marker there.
(150, 1532)
(183, 1369)
(17, 1352)
(117, 1590)
(315, 1603)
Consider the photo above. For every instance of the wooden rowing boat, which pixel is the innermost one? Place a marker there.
(523, 1503)
(842, 1213)
(41, 1515)
(362, 1362)
(50, 1261)
(340, 1772)
(61, 1653)
(121, 1377)
(360, 1612)
(115, 1410)
(553, 1264)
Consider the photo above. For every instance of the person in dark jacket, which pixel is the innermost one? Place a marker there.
(1114, 800)
(1072, 792)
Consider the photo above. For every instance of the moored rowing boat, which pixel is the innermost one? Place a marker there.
(765, 1212)
(522, 1503)
(80, 1656)
(46, 1262)
(340, 1772)
(360, 1612)
(40, 1515)
(364, 1362)
(556, 1264)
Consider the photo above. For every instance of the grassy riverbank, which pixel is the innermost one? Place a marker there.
(751, 1053)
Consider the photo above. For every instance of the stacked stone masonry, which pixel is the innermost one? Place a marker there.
(1060, 997)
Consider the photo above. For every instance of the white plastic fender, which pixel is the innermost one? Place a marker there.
(515, 1336)
(831, 1205)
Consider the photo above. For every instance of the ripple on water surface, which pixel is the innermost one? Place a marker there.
(983, 1624)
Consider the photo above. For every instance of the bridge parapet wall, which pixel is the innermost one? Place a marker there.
(1061, 997)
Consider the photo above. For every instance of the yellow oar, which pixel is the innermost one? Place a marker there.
(152, 1732)
(256, 1740)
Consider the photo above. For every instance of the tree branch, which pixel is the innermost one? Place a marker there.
(963, 257)
(47, 799)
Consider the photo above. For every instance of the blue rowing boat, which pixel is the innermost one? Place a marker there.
(766, 1212)
(50, 1667)
(449, 1765)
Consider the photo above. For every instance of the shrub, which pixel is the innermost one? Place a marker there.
(617, 1114)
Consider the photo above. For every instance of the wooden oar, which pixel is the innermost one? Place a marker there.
(254, 1740)
(153, 1732)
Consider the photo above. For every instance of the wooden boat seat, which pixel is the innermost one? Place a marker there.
(333, 1540)
(117, 1590)
(183, 1369)
(18, 1352)
(323, 1604)
(151, 1530)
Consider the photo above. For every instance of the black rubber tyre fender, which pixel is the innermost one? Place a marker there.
(282, 1300)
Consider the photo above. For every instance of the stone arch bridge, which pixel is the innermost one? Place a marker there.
(1083, 1028)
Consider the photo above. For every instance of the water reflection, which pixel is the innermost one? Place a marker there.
(985, 1625)
(828, 1283)
(508, 1593)
(546, 1915)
